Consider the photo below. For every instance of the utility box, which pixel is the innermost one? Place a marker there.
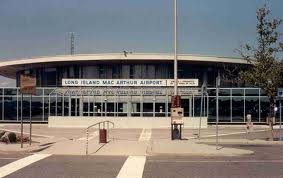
(177, 115)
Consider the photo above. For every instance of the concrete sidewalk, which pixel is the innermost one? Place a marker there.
(66, 141)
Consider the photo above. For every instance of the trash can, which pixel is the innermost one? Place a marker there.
(176, 134)
(102, 136)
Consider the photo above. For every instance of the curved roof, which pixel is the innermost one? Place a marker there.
(10, 68)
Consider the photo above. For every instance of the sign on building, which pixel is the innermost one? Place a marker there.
(128, 82)
(27, 84)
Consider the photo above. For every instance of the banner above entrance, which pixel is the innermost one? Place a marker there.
(129, 82)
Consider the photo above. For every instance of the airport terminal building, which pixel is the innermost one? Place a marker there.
(127, 85)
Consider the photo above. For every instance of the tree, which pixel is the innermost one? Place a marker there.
(265, 71)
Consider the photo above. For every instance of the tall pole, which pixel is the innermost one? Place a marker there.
(175, 50)
(22, 129)
(217, 108)
(201, 105)
(280, 121)
(30, 117)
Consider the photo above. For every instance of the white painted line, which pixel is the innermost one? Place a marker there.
(91, 136)
(233, 133)
(133, 167)
(145, 135)
(39, 135)
(19, 164)
(217, 161)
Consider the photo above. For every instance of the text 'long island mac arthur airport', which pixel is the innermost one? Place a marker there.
(128, 87)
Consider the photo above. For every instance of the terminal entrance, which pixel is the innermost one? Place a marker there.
(119, 102)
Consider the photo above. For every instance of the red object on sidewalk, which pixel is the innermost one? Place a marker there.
(102, 136)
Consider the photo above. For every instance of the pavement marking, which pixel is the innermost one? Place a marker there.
(91, 136)
(133, 167)
(217, 161)
(21, 163)
(145, 135)
(39, 135)
(233, 133)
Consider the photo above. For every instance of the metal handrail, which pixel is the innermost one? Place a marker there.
(99, 123)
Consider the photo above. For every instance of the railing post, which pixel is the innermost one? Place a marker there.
(107, 135)
(86, 142)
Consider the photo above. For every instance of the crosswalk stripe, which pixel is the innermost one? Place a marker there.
(133, 167)
(145, 135)
(19, 164)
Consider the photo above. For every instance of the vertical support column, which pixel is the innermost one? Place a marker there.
(114, 102)
(244, 105)
(191, 106)
(166, 104)
(88, 104)
(129, 106)
(105, 104)
(17, 104)
(153, 108)
(43, 104)
(63, 104)
(3, 105)
(259, 106)
(101, 108)
(49, 105)
(231, 97)
(76, 109)
(56, 105)
(81, 103)
(141, 103)
(70, 104)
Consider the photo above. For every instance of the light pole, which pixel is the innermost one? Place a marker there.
(175, 50)
(280, 121)
(217, 108)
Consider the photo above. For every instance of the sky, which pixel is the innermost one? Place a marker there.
(206, 27)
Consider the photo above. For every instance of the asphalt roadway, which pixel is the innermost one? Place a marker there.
(266, 162)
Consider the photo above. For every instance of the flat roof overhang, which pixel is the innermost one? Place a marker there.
(10, 68)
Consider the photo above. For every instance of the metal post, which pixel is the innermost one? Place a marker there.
(217, 108)
(201, 105)
(86, 151)
(280, 121)
(22, 129)
(175, 51)
(30, 115)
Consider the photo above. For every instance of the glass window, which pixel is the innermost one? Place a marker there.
(197, 103)
(251, 92)
(224, 109)
(237, 92)
(211, 92)
(264, 108)
(252, 107)
(10, 91)
(37, 108)
(159, 109)
(224, 92)
(238, 109)
(49, 77)
(136, 109)
(212, 109)
(147, 109)
(10, 108)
